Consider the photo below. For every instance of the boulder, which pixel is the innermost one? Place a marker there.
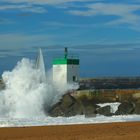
(67, 101)
(75, 109)
(137, 107)
(68, 106)
(106, 111)
(125, 108)
(89, 111)
(89, 108)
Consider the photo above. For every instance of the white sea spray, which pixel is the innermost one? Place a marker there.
(25, 94)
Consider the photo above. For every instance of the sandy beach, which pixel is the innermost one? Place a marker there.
(109, 131)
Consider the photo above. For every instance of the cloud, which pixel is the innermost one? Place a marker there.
(13, 41)
(21, 44)
(49, 2)
(6, 21)
(107, 9)
(67, 25)
(24, 8)
(124, 13)
(96, 48)
(11, 53)
(38, 6)
(24, 14)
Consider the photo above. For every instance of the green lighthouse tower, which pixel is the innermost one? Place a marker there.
(66, 69)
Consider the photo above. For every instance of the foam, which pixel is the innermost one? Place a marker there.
(25, 95)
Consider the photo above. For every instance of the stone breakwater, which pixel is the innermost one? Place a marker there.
(85, 102)
(110, 83)
(72, 104)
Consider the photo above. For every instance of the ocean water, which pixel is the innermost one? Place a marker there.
(79, 119)
(46, 121)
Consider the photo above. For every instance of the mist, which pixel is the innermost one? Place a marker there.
(26, 94)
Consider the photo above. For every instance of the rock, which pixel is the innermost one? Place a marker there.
(56, 110)
(67, 101)
(137, 107)
(89, 111)
(68, 106)
(75, 109)
(67, 98)
(104, 111)
(125, 108)
(89, 108)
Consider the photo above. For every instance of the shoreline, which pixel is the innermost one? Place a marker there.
(104, 131)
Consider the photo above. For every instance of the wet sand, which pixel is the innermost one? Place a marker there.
(109, 131)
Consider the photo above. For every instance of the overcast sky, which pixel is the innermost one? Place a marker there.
(104, 34)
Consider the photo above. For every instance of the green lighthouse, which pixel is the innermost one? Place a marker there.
(66, 69)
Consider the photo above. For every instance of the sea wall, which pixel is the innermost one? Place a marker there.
(86, 102)
(106, 95)
(110, 83)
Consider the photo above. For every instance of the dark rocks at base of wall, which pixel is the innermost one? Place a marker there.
(89, 110)
(68, 106)
(89, 107)
(125, 108)
(106, 111)
(129, 107)
(137, 107)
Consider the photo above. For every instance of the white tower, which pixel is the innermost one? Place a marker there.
(40, 65)
(66, 70)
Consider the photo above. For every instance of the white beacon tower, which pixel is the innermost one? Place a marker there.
(66, 69)
(40, 65)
